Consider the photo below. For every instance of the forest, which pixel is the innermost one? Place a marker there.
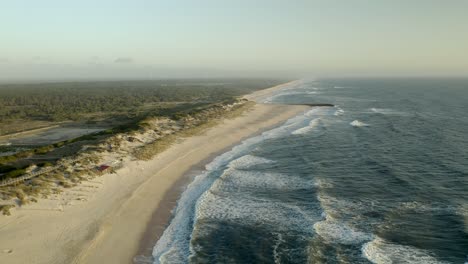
(77, 100)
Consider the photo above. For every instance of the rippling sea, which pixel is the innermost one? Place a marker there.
(382, 177)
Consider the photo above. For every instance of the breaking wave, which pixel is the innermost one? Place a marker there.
(357, 123)
(313, 125)
(335, 232)
(383, 252)
(386, 111)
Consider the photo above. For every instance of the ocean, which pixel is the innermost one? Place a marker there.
(382, 177)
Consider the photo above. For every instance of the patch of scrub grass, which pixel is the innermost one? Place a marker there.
(66, 184)
(21, 196)
(45, 164)
(205, 119)
(6, 209)
(148, 151)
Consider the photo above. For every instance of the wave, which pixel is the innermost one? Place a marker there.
(338, 232)
(171, 248)
(288, 92)
(250, 209)
(244, 198)
(313, 125)
(386, 111)
(383, 252)
(323, 183)
(321, 111)
(331, 229)
(237, 179)
(431, 207)
(339, 111)
(318, 123)
(234, 195)
(463, 212)
(279, 241)
(334, 206)
(248, 161)
(357, 123)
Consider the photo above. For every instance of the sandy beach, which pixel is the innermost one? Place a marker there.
(117, 217)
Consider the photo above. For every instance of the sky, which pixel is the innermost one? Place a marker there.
(143, 39)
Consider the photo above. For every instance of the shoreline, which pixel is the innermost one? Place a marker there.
(162, 215)
(115, 217)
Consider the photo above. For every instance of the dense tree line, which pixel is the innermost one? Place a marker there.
(64, 101)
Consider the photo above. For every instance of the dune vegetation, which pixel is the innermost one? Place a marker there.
(142, 137)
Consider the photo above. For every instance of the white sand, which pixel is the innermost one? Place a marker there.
(108, 221)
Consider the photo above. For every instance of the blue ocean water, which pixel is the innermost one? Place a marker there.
(382, 177)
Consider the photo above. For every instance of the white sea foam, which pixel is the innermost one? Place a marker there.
(314, 124)
(339, 111)
(234, 197)
(320, 116)
(241, 149)
(170, 247)
(323, 183)
(386, 111)
(279, 240)
(303, 130)
(337, 232)
(248, 161)
(235, 179)
(252, 210)
(428, 207)
(334, 206)
(357, 123)
(332, 230)
(463, 212)
(383, 252)
(346, 208)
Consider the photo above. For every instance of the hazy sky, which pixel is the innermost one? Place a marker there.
(150, 39)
